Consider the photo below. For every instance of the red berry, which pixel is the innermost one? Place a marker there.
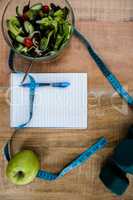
(28, 42)
(45, 8)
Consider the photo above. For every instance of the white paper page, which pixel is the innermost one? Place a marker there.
(53, 107)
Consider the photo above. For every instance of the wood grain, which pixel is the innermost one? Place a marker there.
(108, 24)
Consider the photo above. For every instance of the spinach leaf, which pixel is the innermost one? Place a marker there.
(60, 29)
(55, 25)
(31, 14)
(45, 41)
(24, 50)
(58, 42)
(37, 7)
(44, 21)
(59, 13)
(59, 20)
(14, 26)
(48, 22)
(59, 16)
(20, 39)
(67, 28)
(20, 48)
(65, 31)
(28, 27)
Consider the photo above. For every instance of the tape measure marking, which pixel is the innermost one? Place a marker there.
(104, 69)
(86, 154)
(80, 160)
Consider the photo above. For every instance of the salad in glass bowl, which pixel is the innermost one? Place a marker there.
(38, 30)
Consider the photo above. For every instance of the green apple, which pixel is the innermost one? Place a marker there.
(23, 167)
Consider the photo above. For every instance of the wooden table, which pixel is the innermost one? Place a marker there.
(108, 24)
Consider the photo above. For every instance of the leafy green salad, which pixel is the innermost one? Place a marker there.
(40, 30)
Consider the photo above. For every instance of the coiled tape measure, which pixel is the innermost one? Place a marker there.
(32, 86)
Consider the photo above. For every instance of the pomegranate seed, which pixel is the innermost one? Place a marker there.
(45, 8)
(28, 42)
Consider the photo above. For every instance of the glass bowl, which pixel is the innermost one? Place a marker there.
(10, 10)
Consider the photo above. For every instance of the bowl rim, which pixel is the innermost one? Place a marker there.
(42, 58)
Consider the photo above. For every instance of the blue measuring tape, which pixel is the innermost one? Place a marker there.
(32, 85)
(81, 159)
(100, 64)
(104, 69)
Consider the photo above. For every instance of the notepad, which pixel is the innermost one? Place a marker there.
(53, 107)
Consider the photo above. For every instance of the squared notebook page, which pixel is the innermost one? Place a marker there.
(53, 107)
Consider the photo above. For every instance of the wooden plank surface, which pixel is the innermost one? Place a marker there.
(108, 24)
